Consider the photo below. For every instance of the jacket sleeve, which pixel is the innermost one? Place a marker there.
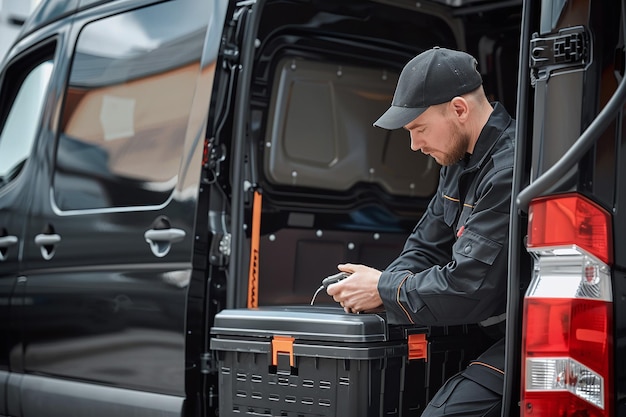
(430, 242)
(432, 283)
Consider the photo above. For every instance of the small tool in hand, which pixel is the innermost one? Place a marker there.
(332, 279)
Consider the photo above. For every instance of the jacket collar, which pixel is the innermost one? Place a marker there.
(497, 123)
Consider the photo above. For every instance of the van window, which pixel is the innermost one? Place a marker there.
(23, 95)
(126, 107)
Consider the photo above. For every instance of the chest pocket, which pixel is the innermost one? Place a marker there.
(450, 210)
(451, 214)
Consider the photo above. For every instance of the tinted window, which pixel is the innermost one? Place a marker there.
(126, 108)
(23, 95)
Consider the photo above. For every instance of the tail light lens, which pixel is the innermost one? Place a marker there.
(567, 328)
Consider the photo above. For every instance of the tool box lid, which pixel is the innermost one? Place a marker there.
(316, 323)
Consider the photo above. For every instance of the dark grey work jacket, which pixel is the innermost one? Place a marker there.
(453, 268)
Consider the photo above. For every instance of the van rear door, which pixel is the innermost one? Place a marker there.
(572, 161)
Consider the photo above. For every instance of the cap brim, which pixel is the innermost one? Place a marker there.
(396, 117)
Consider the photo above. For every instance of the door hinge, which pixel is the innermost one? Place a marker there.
(568, 47)
(214, 155)
(207, 363)
(219, 252)
(234, 32)
(231, 54)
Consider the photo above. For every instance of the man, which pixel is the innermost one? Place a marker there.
(453, 268)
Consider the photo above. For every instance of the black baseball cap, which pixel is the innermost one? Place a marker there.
(433, 77)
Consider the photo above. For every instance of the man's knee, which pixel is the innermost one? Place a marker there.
(461, 396)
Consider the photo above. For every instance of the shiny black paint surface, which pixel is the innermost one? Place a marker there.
(95, 302)
(98, 311)
(102, 288)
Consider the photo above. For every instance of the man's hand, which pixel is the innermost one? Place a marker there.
(358, 292)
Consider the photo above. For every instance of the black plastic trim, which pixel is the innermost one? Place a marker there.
(513, 327)
(586, 140)
(42, 395)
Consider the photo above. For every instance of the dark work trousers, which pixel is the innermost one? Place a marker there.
(476, 391)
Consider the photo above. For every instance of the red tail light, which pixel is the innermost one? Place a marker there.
(570, 219)
(567, 329)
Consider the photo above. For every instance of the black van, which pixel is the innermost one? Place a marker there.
(177, 177)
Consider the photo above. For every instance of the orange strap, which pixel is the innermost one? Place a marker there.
(283, 344)
(418, 346)
(253, 274)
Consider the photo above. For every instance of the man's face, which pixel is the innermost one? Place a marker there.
(436, 133)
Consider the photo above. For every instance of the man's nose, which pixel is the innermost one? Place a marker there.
(416, 144)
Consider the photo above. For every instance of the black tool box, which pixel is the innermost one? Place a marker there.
(316, 361)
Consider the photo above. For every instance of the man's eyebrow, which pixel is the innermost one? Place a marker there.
(413, 126)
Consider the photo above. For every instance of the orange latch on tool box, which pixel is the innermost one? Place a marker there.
(418, 346)
(283, 344)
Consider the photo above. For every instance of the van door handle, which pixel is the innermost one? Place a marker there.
(165, 235)
(160, 240)
(47, 240)
(5, 242)
(47, 243)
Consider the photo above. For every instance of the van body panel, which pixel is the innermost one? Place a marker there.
(114, 320)
(162, 123)
(28, 87)
(125, 305)
(55, 397)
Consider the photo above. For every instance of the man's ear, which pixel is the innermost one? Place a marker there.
(460, 108)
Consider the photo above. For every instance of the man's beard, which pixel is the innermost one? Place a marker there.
(460, 144)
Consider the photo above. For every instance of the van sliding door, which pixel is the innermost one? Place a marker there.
(108, 260)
